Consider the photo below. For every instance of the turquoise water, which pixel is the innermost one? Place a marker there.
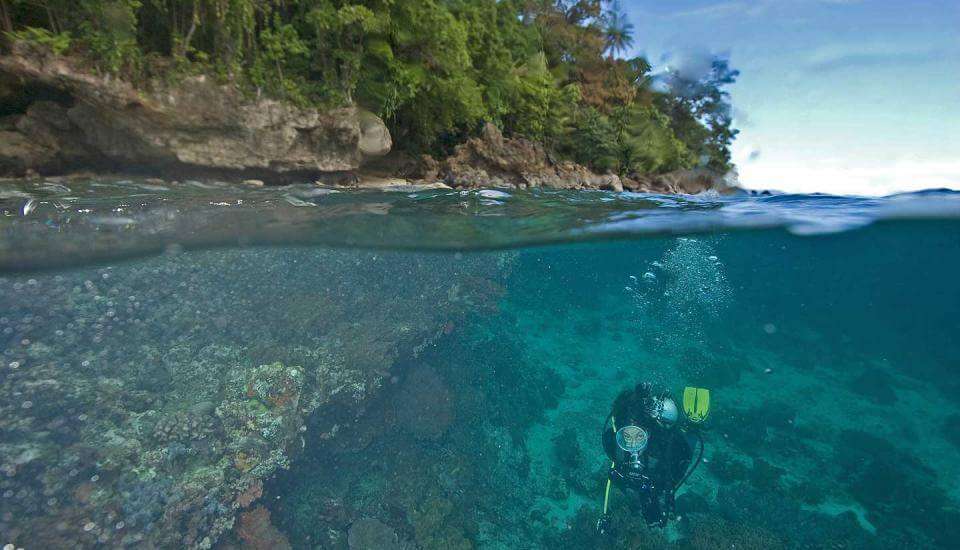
(201, 365)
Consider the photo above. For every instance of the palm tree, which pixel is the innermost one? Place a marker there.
(618, 32)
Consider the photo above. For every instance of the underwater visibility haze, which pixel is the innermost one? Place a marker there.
(211, 365)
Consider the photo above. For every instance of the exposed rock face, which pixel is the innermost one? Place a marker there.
(494, 161)
(680, 181)
(196, 123)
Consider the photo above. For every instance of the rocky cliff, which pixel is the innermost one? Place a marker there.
(492, 160)
(61, 115)
(58, 115)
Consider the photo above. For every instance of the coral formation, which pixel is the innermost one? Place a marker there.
(134, 419)
(424, 405)
(371, 534)
(710, 533)
(257, 533)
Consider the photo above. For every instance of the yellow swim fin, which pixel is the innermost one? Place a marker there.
(696, 403)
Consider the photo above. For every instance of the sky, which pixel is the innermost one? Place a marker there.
(837, 96)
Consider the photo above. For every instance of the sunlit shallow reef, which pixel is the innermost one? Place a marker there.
(145, 403)
(342, 398)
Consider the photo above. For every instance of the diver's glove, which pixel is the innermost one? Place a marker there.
(603, 524)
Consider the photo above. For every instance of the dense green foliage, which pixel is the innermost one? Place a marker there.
(433, 69)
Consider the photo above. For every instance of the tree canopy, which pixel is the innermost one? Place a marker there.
(435, 70)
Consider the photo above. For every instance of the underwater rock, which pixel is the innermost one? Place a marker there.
(171, 435)
(764, 475)
(196, 124)
(951, 429)
(711, 533)
(371, 534)
(900, 493)
(257, 533)
(424, 404)
(434, 528)
(875, 384)
(250, 496)
(566, 448)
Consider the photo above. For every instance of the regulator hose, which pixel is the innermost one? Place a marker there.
(692, 466)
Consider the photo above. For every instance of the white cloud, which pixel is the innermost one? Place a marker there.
(723, 9)
(844, 178)
(749, 7)
(840, 56)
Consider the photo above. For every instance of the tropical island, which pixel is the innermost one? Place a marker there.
(469, 93)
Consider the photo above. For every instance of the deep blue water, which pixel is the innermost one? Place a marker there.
(198, 365)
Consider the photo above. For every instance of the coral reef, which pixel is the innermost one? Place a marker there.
(371, 534)
(900, 493)
(424, 405)
(137, 419)
(710, 533)
(183, 426)
(257, 533)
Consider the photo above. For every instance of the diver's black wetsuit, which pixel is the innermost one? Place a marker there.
(664, 462)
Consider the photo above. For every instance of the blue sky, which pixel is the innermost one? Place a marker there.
(837, 96)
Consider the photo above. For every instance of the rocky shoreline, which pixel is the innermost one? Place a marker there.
(57, 116)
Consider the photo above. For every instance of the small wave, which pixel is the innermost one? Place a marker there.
(51, 224)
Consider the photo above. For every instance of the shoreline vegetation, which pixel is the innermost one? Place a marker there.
(518, 93)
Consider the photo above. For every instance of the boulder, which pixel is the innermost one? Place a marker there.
(18, 154)
(196, 123)
(679, 181)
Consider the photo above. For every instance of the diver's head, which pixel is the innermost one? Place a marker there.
(665, 411)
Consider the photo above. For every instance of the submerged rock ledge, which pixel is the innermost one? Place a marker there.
(138, 419)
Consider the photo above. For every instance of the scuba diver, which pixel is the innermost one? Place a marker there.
(651, 453)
